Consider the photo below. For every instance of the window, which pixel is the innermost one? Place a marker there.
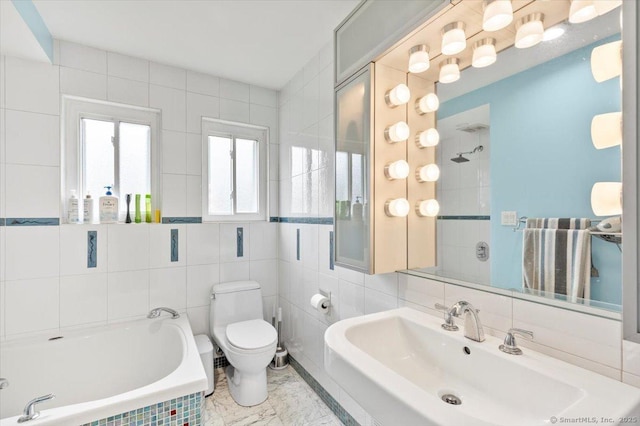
(107, 144)
(234, 171)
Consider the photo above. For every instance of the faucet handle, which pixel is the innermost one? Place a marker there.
(510, 345)
(449, 324)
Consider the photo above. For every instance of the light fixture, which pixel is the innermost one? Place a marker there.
(606, 61)
(553, 33)
(428, 173)
(529, 30)
(428, 103)
(397, 132)
(606, 130)
(428, 138)
(419, 58)
(606, 198)
(397, 96)
(398, 207)
(582, 11)
(605, 6)
(497, 14)
(454, 39)
(428, 208)
(449, 70)
(397, 170)
(484, 53)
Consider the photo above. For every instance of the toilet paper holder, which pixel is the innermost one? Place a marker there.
(326, 294)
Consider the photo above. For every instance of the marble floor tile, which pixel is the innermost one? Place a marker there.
(291, 402)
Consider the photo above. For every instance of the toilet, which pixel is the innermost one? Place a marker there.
(247, 340)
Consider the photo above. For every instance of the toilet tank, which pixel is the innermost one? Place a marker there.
(235, 301)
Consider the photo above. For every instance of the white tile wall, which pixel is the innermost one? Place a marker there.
(44, 269)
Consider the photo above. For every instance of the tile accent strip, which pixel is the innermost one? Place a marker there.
(174, 245)
(92, 249)
(1, 221)
(240, 242)
(298, 244)
(331, 265)
(306, 220)
(464, 217)
(32, 221)
(184, 410)
(181, 220)
(325, 396)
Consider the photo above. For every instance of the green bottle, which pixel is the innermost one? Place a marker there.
(138, 218)
(147, 208)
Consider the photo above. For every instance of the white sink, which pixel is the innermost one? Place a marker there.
(398, 364)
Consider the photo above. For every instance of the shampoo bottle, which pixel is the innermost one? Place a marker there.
(88, 209)
(73, 209)
(108, 207)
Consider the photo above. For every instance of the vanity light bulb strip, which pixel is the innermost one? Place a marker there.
(428, 103)
(428, 173)
(397, 96)
(397, 170)
(428, 208)
(397, 132)
(428, 138)
(398, 207)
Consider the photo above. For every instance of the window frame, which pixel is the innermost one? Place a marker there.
(74, 109)
(236, 130)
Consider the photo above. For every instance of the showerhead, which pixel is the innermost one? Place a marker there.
(460, 159)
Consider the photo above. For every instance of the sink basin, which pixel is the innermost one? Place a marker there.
(401, 366)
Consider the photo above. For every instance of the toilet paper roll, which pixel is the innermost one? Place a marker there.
(320, 303)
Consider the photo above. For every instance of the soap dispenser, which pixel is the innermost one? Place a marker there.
(357, 210)
(108, 207)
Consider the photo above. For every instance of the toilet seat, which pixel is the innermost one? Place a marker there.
(250, 335)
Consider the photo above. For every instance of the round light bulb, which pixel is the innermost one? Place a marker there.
(397, 170)
(419, 58)
(428, 173)
(582, 11)
(397, 132)
(553, 33)
(449, 71)
(606, 130)
(529, 30)
(397, 96)
(497, 15)
(454, 39)
(606, 6)
(484, 53)
(428, 138)
(428, 208)
(428, 103)
(398, 207)
(606, 198)
(606, 61)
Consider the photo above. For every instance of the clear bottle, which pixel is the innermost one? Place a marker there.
(108, 206)
(73, 212)
(357, 210)
(87, 205)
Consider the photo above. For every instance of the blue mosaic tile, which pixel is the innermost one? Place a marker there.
(32, 221)
(92, 249)
(174, 245)
(181, 220)
(185, 410)
(305, 220)
(462, 217)
(239, 242)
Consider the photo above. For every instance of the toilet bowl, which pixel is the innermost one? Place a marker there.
(247, 340)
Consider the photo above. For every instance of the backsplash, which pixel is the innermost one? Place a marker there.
(47, 281)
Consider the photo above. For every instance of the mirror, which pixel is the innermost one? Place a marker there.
(516, 142)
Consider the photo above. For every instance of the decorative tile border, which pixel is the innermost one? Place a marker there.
(181, 220)
(174, 245)
(92, 249)
(462, 217)
(239, 241)
(305, 220)
(183, 411)
(331, 260)
(333, 405)
(1, 221)
(32, 221)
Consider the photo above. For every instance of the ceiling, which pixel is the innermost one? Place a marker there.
(261, 42)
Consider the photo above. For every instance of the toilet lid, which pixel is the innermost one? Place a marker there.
(252, 334)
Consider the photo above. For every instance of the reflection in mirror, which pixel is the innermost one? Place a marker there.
(516, 142)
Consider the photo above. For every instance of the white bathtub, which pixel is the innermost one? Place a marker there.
(100, 372)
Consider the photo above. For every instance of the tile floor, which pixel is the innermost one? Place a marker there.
(291, 402)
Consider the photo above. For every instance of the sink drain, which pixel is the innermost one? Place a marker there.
(451, 399)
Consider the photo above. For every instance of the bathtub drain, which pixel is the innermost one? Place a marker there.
(451, 399)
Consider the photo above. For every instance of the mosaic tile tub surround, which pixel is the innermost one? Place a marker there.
(183, 411)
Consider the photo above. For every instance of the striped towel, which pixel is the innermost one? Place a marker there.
(558, 223)
(557, 261)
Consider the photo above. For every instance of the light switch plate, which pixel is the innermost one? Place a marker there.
(509, 218)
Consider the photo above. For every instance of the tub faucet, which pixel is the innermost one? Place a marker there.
(155, 313)
(4, 383)
(472, 326)
(30, 412)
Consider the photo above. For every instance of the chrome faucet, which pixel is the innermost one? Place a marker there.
(472, 327)
(30, 412)
(4, 383)
(510, 346)
(155, 313)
